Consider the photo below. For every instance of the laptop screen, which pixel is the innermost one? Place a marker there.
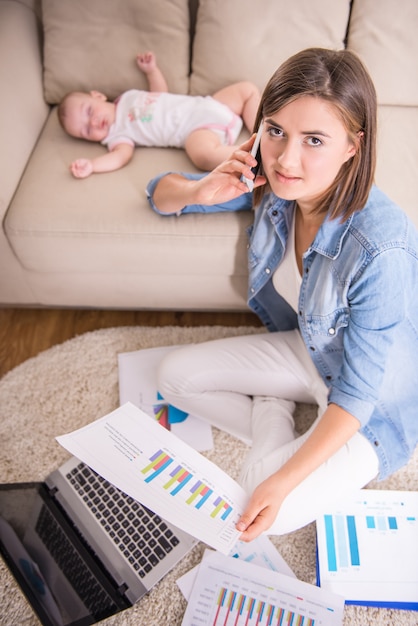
(82, 594)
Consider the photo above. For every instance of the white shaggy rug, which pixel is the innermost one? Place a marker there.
(76, 382)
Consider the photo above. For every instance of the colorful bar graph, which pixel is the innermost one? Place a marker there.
(221, 506)
(342, 540)
(176, 480)
(201, 490)
(381, 522)
(237, 609)
(159, 463)
(180, 476)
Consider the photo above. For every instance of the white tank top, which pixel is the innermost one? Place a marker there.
(287, 279)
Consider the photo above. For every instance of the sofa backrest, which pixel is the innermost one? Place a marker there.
(246, 40)
(384, 35)
(93, 44)
(204, 45)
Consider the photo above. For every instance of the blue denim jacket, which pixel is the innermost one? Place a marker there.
(358, 313)
(242, 203)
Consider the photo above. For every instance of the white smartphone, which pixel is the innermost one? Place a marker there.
(255, 152)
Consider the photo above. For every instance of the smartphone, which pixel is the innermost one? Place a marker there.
(255, 152)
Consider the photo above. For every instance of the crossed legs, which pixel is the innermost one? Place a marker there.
(248, 386)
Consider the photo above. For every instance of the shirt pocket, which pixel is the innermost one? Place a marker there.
(327, 331)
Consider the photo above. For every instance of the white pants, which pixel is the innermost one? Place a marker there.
(248, 387)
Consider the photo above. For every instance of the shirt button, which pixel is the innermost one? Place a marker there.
(268, 270)
(331, 331)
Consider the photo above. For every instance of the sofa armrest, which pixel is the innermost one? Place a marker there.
(23, 111)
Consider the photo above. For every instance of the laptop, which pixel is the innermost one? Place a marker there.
(80, 548)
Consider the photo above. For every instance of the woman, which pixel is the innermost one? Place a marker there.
(333, 275)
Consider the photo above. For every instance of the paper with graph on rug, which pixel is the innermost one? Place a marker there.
(137, 373)
(229, 592)
(368, 549)
(136, 454)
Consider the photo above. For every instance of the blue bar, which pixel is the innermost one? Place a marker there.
(252, 607)
(241, 610)
(204, 498)
(329, 534)
(352, 538)
(370, 521)
(226, 513)
(381, 523)
(392, 523)
(341, 541)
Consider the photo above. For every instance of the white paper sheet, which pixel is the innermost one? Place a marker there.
(138, 384)
(149, 463)
(260, 552)
(368, 548)
(230, 592)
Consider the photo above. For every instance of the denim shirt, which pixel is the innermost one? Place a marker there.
(357, 314)
(242, 203)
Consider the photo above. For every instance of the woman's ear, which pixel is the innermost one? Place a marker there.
(355, 145)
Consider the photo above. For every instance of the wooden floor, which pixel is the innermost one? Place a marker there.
(26, 332)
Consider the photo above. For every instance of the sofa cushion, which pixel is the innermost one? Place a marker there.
(386, 40)
(93, 44)
(229, 48)
(104, 223)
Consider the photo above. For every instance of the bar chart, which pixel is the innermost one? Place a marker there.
(234, 608)
(231, 592)
(368, 548)
(177, 479)
(157, 468)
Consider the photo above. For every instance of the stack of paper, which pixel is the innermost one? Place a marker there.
(149, 463)
(232, 592)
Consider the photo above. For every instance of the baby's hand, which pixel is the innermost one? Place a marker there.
(146, 61)
(81, 168)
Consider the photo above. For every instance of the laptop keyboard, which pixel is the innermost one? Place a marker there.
(91, 592)
(142, 536)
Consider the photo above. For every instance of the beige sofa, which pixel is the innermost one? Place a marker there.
(96, 242)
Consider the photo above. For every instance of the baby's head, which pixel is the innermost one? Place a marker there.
(86, 115)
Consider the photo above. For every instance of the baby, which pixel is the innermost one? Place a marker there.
(205, 126)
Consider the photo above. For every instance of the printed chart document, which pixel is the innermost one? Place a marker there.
(137, 372)
(259, 551)
(368, 549)
(231, 592)
(149, 463)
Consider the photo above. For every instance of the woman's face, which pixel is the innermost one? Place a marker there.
(303, 147)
